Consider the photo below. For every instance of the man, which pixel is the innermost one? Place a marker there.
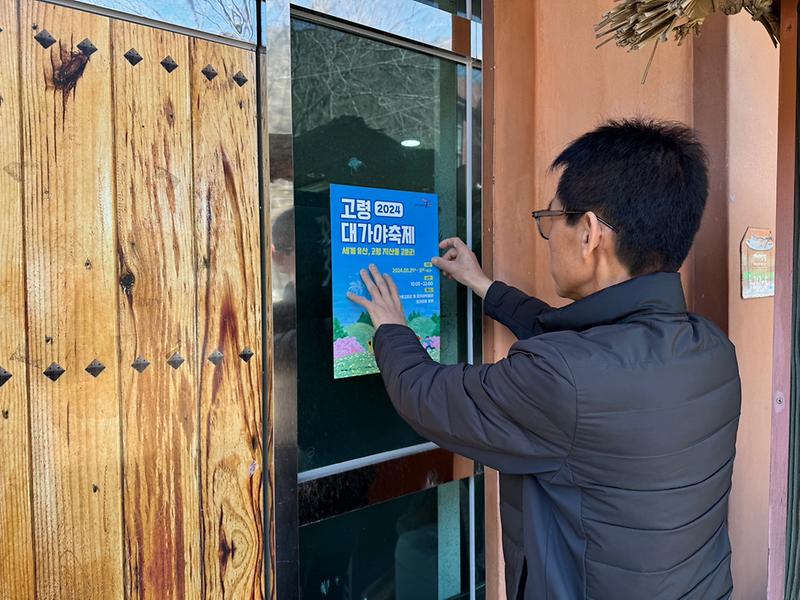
(613, 420)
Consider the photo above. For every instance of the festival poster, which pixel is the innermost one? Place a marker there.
(399, 233)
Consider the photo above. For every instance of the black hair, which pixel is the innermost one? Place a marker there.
(648, 179)
(283, 231)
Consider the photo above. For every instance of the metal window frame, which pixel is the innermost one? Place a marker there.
(274, 26)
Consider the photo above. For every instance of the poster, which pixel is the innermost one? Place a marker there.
(399, 232)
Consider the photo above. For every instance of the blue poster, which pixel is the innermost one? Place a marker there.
(399, 233)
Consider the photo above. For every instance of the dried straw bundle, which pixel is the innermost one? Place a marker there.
(633, 23)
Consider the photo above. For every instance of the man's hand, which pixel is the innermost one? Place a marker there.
(386, 308)
(461, 264)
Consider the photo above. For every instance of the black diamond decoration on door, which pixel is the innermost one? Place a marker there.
(45, 40)
(95, 368)
(210, 72)
(4, 376)
(87, 47)
(140, 364)
(246, 354)
(175, 361)
(240, 78)
(216, 357)
(169, 64)
(133, 57)
(54, 371)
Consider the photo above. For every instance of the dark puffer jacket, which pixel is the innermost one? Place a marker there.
(613, 423)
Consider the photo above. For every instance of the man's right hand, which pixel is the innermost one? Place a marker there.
(461, 264)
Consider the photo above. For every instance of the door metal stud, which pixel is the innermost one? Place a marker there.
(169, 64)
(45, 40)
(133, 57)
(4, 376)
(175, 361)
(95, 368)
(209, 71)
(240, 78)
(246, 354)
(54, 371)
(216, 357)
(87, 47)
(140, 364)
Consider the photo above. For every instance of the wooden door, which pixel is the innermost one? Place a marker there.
(131, 362)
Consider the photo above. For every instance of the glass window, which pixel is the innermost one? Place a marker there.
(456, 7)
(370, 114)
(412, 548)
(228, 18)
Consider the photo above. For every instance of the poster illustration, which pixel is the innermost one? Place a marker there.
(399, 233)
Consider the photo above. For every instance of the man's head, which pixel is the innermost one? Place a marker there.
(283, 241)
(634, 193)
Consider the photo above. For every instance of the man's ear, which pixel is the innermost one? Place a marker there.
(591, 232)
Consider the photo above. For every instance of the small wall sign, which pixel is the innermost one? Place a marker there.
(758, 263)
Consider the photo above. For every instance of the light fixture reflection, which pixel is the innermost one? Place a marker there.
(410, 143)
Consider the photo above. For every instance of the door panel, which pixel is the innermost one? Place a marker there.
(157, 317)
(16, 563)
(67, 146)
(131, 260)
(229, 301)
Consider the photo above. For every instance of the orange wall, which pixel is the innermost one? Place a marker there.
(549, 85)
(752, 163)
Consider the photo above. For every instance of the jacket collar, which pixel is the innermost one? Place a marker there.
(658, 293)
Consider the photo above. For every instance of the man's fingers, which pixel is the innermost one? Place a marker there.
(450, 243)
(379, 281)
(367, 279)
(360, 300)
(393, 291)
(450, 254)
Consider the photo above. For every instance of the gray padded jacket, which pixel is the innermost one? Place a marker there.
(613, 424)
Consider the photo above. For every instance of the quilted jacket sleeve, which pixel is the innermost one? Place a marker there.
(517, 415)
(514, 309)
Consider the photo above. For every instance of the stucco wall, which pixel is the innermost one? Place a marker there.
(752, 156)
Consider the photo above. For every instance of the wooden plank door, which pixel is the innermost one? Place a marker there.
(130, 265)
(229, 316)
(67, 147)
(157, 311)
(16, 560)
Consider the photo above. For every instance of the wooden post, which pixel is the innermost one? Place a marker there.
(784, 267)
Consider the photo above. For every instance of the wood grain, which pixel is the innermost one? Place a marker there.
(16, 535)
(783, 328)
(229, 319)
(157, 313)
(72, 311)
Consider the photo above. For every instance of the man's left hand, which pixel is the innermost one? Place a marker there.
(385, 308)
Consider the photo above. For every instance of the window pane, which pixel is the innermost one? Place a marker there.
(229, 18)
(412, 548)
(355, 101)
(457, 7)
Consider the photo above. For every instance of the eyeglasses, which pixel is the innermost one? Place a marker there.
(545, 224)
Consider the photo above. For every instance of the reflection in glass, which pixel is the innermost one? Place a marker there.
(355, 101)
(412, 548)
(480, 537)
(456, 7)
(229, 18)
(409, 19)
(477, 199)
